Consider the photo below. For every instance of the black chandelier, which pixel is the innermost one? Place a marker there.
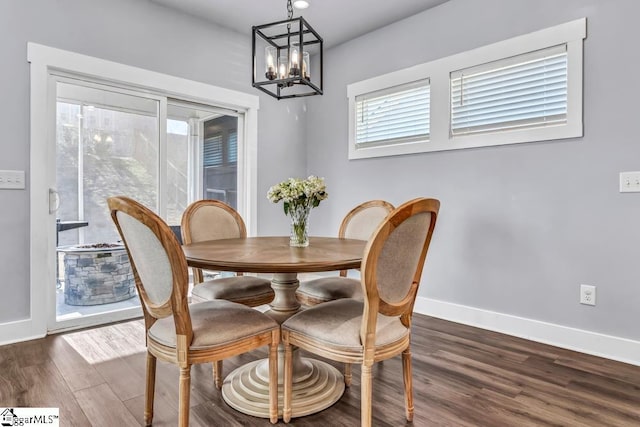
(283, 50)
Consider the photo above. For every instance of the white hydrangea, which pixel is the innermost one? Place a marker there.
(296, 192)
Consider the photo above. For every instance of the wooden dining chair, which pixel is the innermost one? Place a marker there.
(359, 223)
(176, 332)
(378, 328)
(214, 220)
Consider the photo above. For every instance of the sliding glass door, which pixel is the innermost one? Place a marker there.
(163, 152)
(207, 137)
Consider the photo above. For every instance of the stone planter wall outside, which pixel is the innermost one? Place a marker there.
(97, 275)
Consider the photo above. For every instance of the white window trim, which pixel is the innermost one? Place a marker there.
(438, 71)
(45, 63)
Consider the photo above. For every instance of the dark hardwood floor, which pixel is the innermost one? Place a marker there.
(463, 376)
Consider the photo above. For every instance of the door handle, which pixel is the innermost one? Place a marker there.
(54, 201)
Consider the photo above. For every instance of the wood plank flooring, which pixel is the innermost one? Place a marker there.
(462, 376)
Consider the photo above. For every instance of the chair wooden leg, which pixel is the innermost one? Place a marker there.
(217, 374)
(408, 383)
(347, 374)
(288, 380)
(183, 396)
(273, 380)
(365, 396)
(149, 391)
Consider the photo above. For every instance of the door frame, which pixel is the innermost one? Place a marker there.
(45, 64)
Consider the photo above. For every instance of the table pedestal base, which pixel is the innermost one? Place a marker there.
(316, 386)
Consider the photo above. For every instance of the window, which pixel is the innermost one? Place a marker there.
(215, 147)
(393, 116)
(390, 114)
(233, 147)
(524, 89)
(212, 153)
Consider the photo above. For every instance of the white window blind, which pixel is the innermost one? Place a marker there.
(394, 115)
(212, 155)
(524, 91)
(233, 147)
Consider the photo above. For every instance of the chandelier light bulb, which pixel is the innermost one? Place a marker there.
(301, 4)
(270, 68)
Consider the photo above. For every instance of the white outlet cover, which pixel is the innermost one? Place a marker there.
(588, 294)
(629, 182)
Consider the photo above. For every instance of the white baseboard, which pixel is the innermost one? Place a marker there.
(610, 347)
(19, 330)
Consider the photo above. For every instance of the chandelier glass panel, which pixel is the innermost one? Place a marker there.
(287, 58)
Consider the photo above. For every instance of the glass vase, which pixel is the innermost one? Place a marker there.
(299, 226)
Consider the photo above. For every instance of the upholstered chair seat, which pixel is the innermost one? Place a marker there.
(206, 318)
(325, 289)
(241, 289)
(337, 324)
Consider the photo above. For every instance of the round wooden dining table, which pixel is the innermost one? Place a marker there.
(316, 384)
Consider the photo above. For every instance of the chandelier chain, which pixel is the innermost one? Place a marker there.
(289, 10)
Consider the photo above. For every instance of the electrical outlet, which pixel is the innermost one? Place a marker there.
(587, 294)
(629, 182)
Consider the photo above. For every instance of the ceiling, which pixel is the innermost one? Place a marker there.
(335, 20)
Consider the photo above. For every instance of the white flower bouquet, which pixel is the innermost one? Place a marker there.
(299, 196)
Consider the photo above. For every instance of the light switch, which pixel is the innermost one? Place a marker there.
(629, 182)
(11, 180)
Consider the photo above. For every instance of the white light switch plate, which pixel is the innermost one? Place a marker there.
(629, 182)
(11, 180)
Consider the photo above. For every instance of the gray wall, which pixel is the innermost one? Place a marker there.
(523, 225)
(136, 33)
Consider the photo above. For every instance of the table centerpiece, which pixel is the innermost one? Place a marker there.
(299, 196)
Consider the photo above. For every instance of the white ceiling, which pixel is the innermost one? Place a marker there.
(335, 20)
